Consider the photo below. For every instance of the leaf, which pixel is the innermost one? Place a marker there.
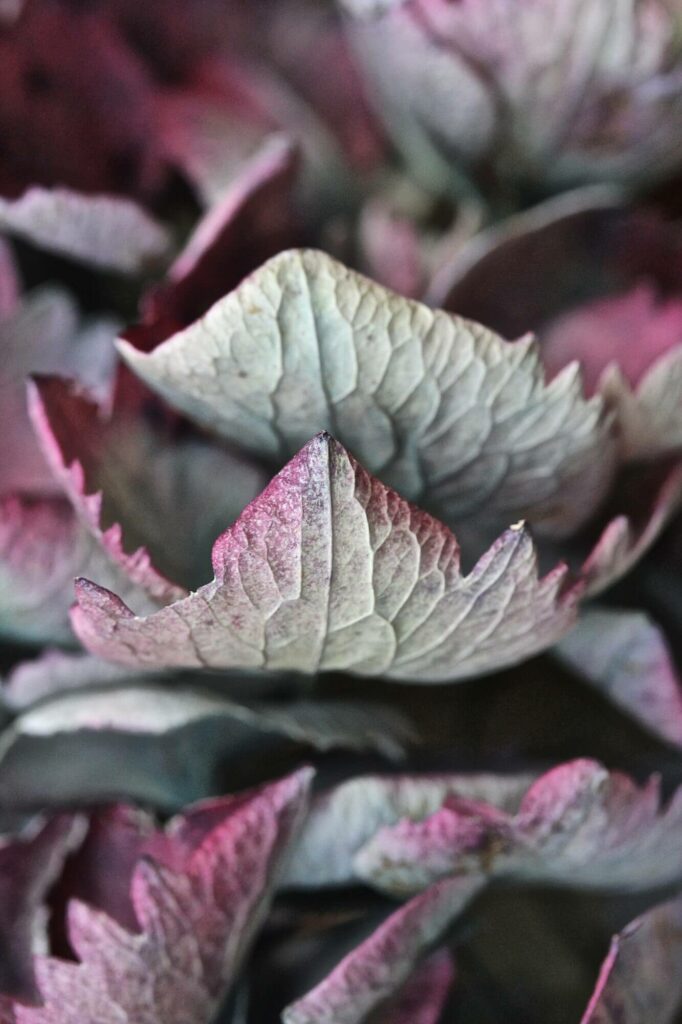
(210, 138)
(252, 220)
(9, 283)
(627, 538)
(56, 672)
(211, 130)
(564, 251)
(72, 685)
(29, 865)
(196, 918)
(578, 825)
(640, 978)
(630, 349)
(649, 415)
(78, 107)
(105, 231)
(168, 738)
(330, 570)
(423, 997)
(42, 549)
(139, 488)
(88, 730)
(592, 273)
(376, 969)
(10, 11)
(342, 821)
(441, 408)
(624, 655)
(516, 118)
(42, 334)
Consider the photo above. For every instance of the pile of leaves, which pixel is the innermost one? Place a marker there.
(340, 481)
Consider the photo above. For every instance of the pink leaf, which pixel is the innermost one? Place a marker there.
(640, 979)
(29, 865)
(42, 549)
(377, 968)
(197, 909)
(328, 569)
(625, 656)
(342, 821)
(630, 348)
(42, 334)
(577, 825)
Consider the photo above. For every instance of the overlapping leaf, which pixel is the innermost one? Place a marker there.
(171, 740)
(377, 969)
(625, 656)
(43, 548)
(443, 409)
(640, 979)
(576, 825)
(42, 334)
(342, 821)
(557, 93)
(147, 497)
(198, 904)
(329, 569)
(29, 865)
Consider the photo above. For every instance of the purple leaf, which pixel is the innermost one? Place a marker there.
(42, 334)
(29, 865)
(42, 549)
(377, 968)
(328, 569)
(77, 107)
(140, 489)
(630, 349)
(640, 979)
(578, 825)
(625, 656)
(197, 909)
(342, 821)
